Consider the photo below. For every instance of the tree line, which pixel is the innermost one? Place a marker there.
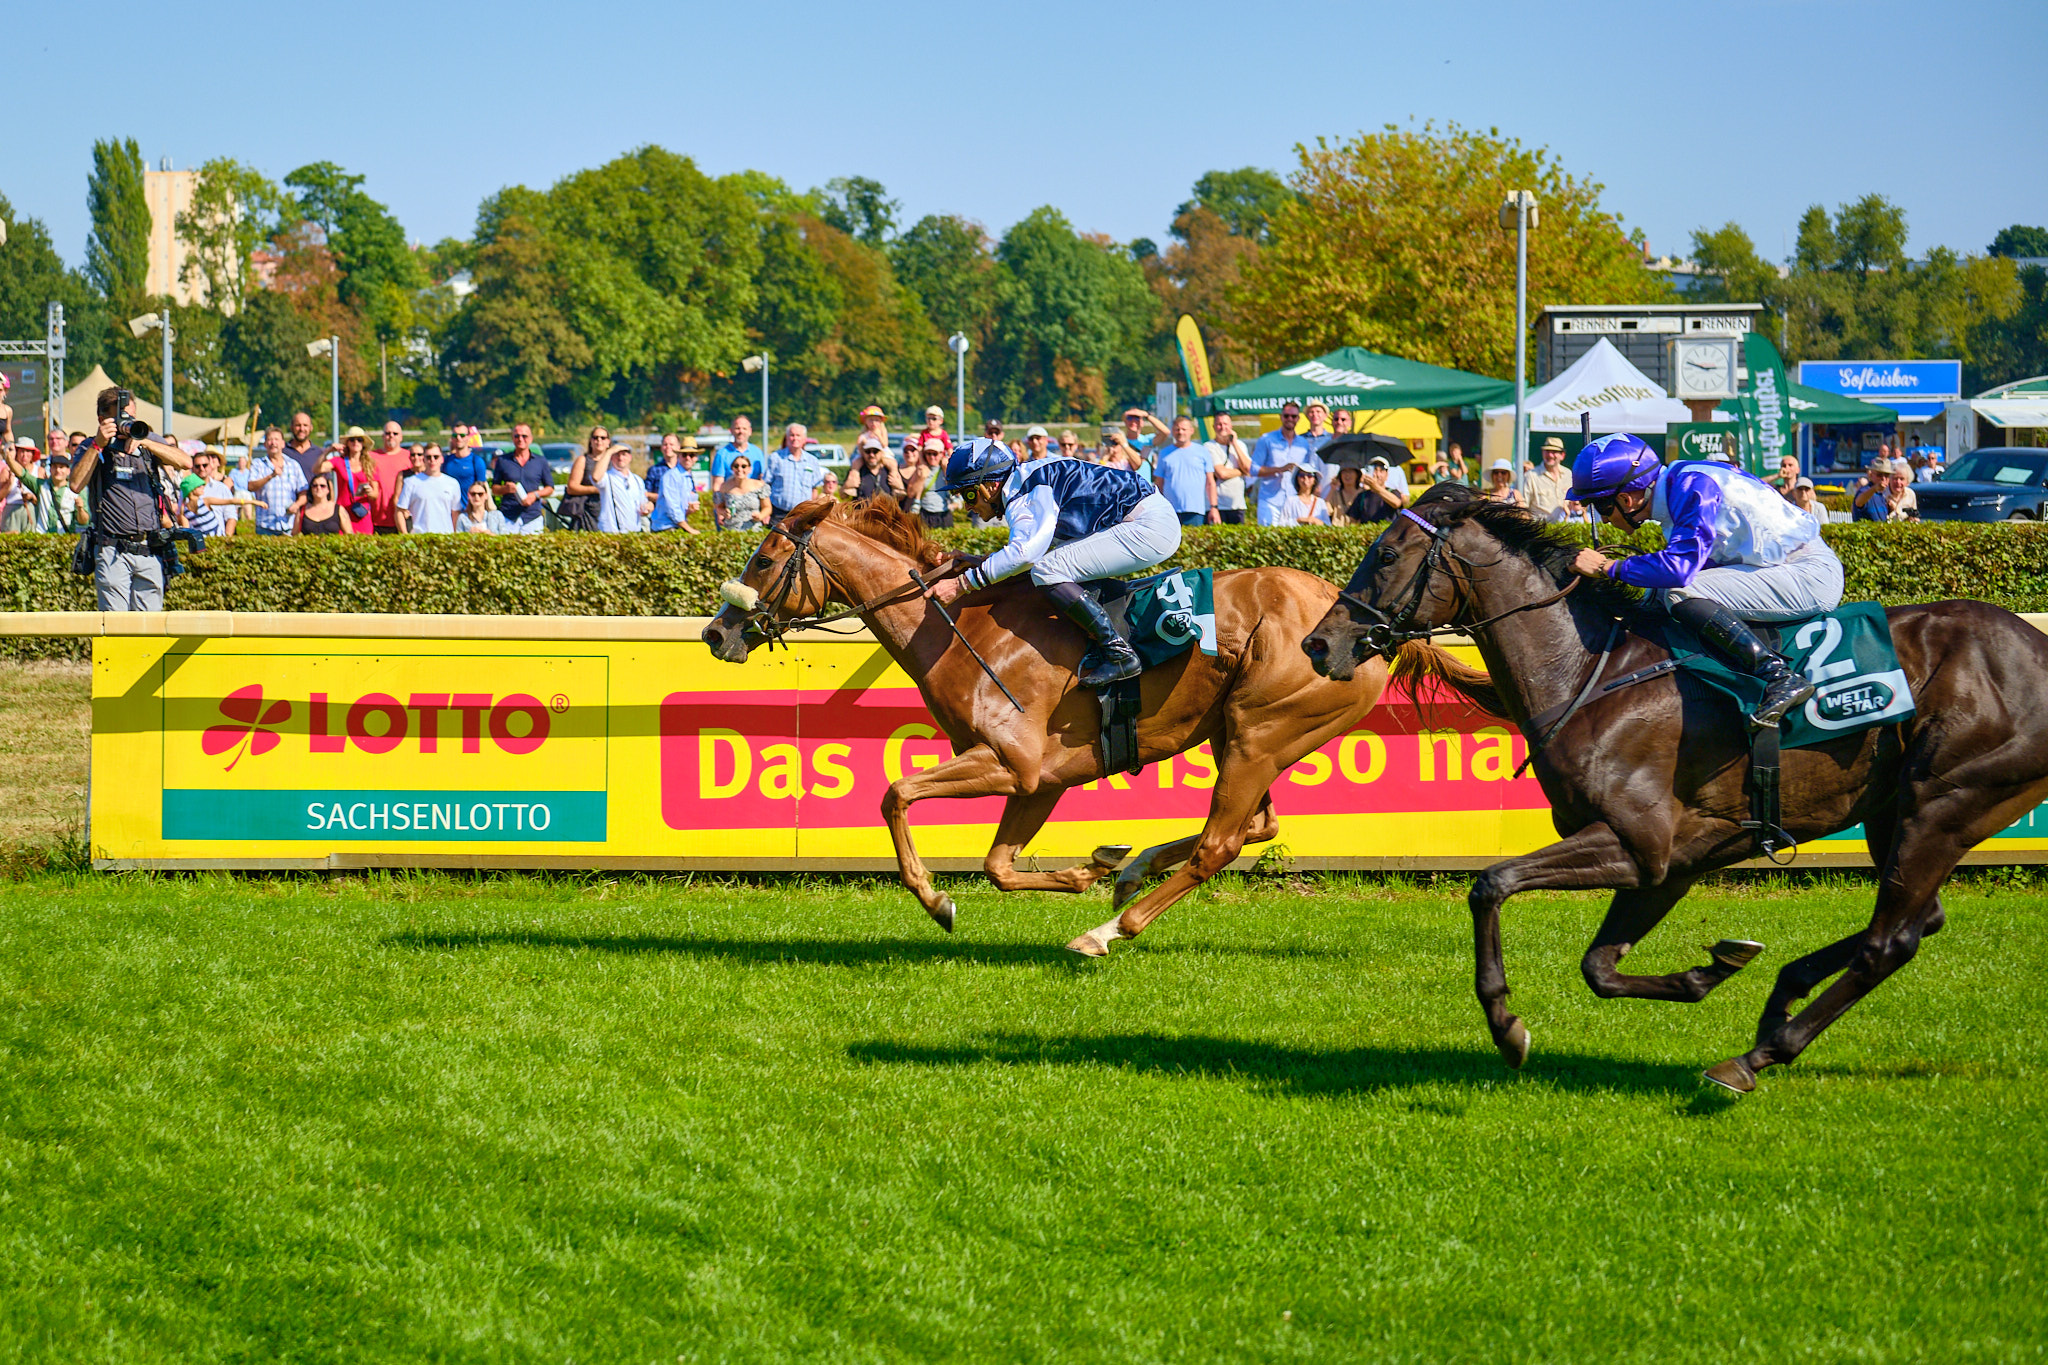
(630, 291)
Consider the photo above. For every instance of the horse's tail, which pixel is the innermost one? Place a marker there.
(1418, 660)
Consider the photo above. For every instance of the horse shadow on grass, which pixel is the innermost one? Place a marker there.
(823, 952)
(1296, 1071)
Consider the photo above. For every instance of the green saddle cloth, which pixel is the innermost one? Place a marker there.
(1847, 654)
(1165, 615)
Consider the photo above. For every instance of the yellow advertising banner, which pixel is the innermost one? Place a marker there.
(255, 752)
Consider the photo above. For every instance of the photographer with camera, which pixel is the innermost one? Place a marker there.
(126, 547)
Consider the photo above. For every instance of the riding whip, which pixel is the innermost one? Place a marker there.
(1586, 439)
(918, 579)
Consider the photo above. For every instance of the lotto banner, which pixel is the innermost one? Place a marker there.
(278, 752)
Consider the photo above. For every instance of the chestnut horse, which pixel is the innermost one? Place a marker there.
(1257, 703)
(1647, 782)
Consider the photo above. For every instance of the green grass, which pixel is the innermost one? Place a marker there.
(428, 1118)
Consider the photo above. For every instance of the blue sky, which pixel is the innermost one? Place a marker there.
(1689, 114)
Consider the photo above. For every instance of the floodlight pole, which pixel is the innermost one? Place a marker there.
(1520, 212)
(334, 382)
(168, 432)
(53, 349)
(957, 344)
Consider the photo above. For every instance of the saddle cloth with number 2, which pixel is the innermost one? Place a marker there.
(1847, 654)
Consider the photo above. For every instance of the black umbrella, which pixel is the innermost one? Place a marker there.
(1357, 449)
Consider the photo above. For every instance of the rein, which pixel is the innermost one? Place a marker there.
(772, 629)
(1386, 634)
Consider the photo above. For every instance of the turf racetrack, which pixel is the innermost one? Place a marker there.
(552, 1120)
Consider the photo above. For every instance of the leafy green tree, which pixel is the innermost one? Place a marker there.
(1247, 201)
(1069, 310)
(1852, 291)
(1195, 275)
(32, 276)
(2020, 240)
(117, 251)
(235, 211)
(1394, 244)
(379, 276)
(949, 264)
(860, 208)
(2015, 346)
(117, 261)
(656, 265)
(264, 347)
(514, 351)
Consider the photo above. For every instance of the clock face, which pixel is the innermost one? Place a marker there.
(1705, 370)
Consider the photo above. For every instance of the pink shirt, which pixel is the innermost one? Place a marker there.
(386, 469)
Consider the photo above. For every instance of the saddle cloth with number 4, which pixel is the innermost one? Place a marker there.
(1163, 615)
(1848, 656)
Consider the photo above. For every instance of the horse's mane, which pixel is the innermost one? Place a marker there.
(881, 519)
(1548, 546)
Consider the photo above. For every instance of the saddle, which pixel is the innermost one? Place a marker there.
(1847, 654)
(1161, 617)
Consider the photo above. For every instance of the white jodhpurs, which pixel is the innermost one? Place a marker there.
(1808, 583)
(1150, 534)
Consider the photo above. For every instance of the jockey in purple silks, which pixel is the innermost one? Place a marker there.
(1734, 552)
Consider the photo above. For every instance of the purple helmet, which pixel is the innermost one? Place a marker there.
(1613, 464)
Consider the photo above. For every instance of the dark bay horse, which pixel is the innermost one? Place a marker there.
(1257, 703)
(1647, 783)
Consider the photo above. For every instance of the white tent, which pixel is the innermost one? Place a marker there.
(1620, 397)
(80, 400)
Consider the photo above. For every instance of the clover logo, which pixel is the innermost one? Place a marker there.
(251, 730)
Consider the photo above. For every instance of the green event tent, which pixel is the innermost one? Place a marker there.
(1834, 409)
(1359, 380)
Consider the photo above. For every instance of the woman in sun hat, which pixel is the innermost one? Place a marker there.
(1500, 484)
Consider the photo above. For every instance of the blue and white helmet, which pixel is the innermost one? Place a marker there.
(1613, 464)
(981, 460)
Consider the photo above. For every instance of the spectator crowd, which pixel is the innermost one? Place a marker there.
(290, 484)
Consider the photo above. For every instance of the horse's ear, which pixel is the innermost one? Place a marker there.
(809, 514)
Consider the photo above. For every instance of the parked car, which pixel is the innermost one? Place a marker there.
(1999, 483)
(559, 455)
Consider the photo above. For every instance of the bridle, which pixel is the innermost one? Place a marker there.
(761, 620)
(1384, 635)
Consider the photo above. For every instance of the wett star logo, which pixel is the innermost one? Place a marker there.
(251, 729)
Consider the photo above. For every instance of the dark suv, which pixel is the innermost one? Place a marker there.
(2000, 483)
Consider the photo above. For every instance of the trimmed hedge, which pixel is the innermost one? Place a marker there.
(674, 575)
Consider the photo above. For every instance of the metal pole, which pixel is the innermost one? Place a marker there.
(334, 377)
(764, 400)
(54, 343)
(169, 433)
(960, 396)
(1521, 454)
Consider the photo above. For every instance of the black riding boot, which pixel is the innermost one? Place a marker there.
(1733, 640)
(1110, 657)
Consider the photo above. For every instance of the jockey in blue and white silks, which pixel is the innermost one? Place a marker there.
(1734, 551)
(1069, 522)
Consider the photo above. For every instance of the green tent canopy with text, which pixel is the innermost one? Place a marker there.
(1359, 380)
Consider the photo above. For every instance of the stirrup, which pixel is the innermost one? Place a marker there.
(1111, 661)
(1768, 717)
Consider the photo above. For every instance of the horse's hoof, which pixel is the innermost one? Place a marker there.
(943, 912)
(1514, 1047)
(1733, 1074)
(1087, 945)
(1734, 953)
(1110, 856)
